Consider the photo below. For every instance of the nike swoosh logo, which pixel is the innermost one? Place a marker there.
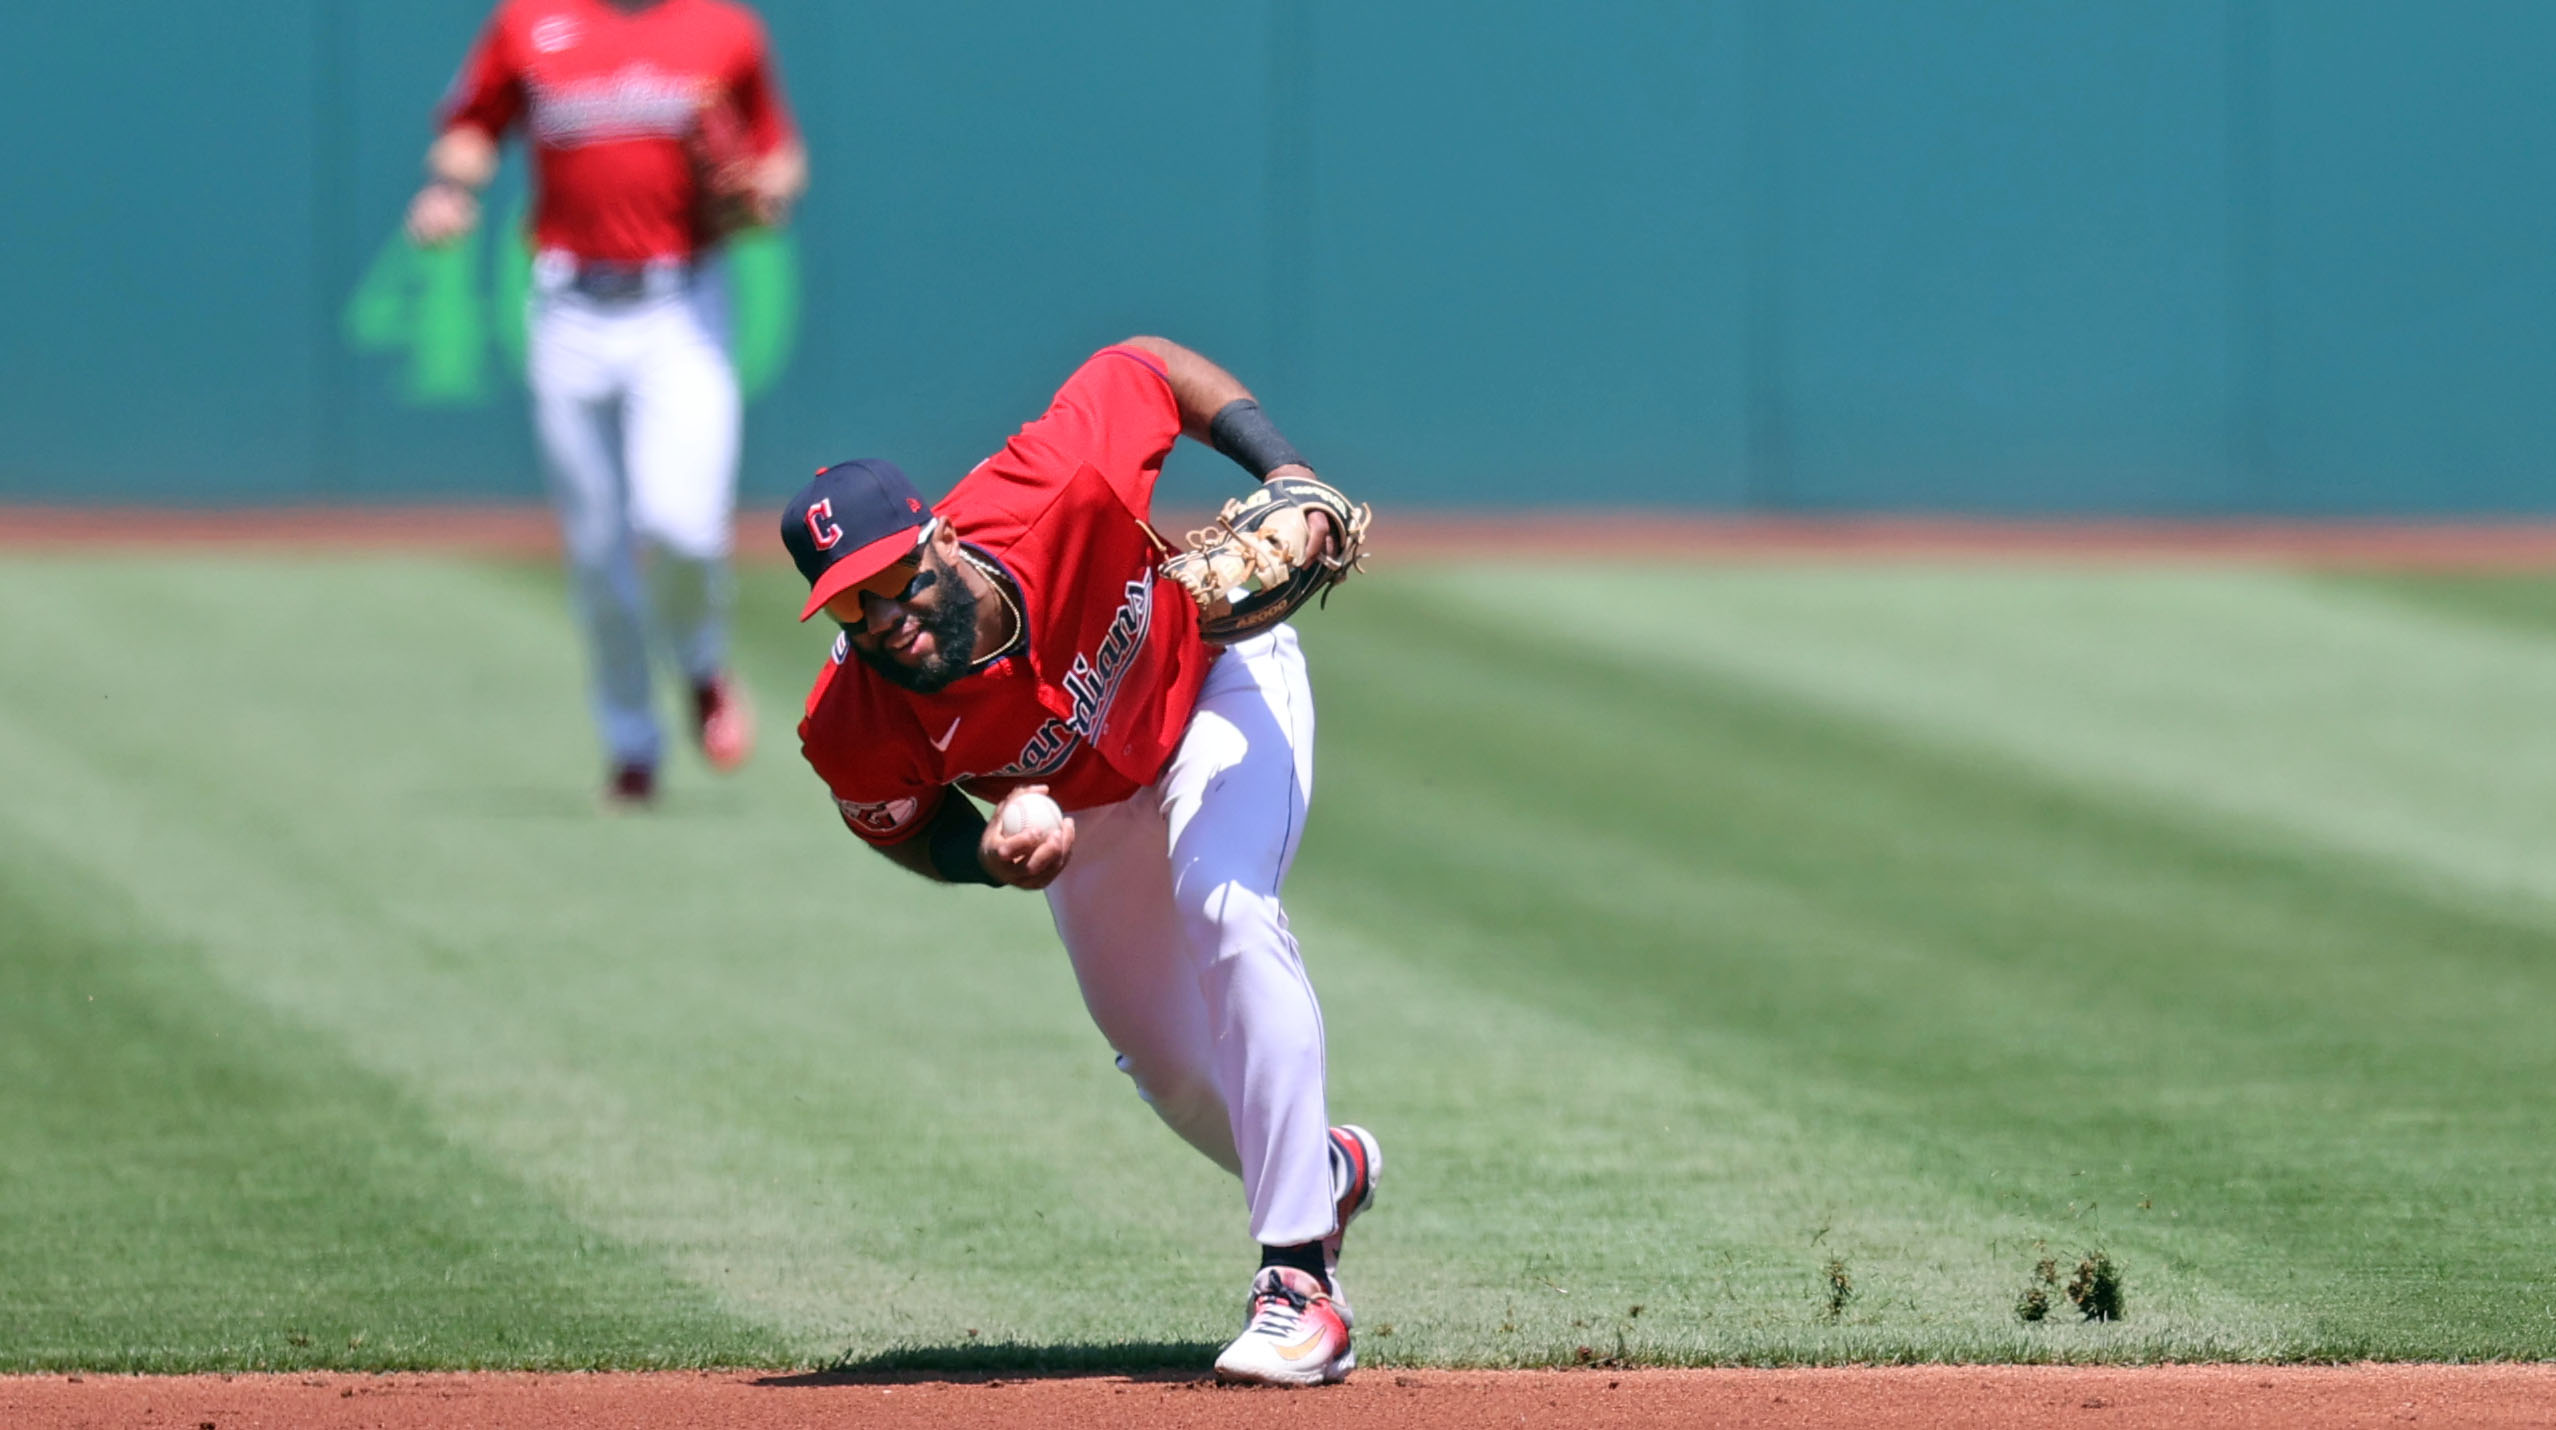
(1301, 1349)
(943, 744)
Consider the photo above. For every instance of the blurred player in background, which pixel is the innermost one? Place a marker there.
(656, 126)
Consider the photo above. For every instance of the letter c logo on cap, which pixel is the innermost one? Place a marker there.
(826, 535)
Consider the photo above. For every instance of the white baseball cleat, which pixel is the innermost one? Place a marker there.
(1356, 1165)
(1293, 1335)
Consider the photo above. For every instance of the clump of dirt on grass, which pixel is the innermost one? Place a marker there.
(2034, 1303)
(2096, 1288)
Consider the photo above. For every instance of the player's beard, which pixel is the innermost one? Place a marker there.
(953, 632)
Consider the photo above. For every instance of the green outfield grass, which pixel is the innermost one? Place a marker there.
(1684, 935)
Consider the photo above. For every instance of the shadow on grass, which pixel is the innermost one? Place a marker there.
(1139, 1360)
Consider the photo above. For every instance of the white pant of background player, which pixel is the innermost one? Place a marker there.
(635, 401)
(1169, 909)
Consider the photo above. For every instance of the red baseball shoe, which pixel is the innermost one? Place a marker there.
(631, 787)
(1357, 1163)
(1293, 1335)
(723, 721)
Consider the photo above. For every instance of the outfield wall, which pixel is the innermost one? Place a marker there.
(2148, 256)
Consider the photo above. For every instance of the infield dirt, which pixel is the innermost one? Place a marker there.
(2489, 1397)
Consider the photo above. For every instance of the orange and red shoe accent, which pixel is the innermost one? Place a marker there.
(1292, 1334)
(724, 722)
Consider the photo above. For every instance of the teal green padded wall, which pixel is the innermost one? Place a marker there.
(1520, 265)
(164, 314)
(2141, 256)
(2402, 264)
(1998, 258)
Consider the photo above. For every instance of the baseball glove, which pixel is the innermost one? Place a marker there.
(1256, 566)
(721, 152)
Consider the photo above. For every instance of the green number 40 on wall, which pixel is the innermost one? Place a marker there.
(428, 304)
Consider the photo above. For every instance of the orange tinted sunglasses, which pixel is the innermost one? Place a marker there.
(903, 580)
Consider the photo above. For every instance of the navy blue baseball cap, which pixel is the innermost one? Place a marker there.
(849, 523)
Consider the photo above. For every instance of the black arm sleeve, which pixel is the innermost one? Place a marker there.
(1243, 432)
(952, 838)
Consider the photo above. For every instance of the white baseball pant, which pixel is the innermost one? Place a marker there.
(636, 404)
(1169, 910)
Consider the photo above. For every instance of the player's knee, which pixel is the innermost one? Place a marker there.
(1183, 1099)
(685, 539)
(592, 540)
(599, 568)
(1230, 918)
(1187, 1101)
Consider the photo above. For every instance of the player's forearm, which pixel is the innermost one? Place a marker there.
(1199, 386)
(458, 165)
(944, 850)
(781, 177)
(1215, 408)
(462, 156)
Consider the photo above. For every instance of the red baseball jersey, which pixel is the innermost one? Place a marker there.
(1097, 703)
(606, 96)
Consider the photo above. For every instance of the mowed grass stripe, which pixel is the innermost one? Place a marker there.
(1586, 858)
(2234, 1028)
(2511, 601)
(2359, 722)
(862, 1112)
(1556, 1183)
(194, 1183)
(1665, 978)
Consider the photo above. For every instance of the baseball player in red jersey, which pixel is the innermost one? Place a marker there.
(634, 394)
(1017, 639)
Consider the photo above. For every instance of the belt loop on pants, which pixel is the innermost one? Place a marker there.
(607, 281)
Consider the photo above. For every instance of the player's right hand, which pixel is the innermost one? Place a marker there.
(1030, 859)
(441, 213)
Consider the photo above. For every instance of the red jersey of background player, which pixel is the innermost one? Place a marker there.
(607, 96)
(1097, 704)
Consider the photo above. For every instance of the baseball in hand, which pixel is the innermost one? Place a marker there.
(1029, 810)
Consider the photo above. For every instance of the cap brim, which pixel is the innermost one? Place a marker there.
(860, 566)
